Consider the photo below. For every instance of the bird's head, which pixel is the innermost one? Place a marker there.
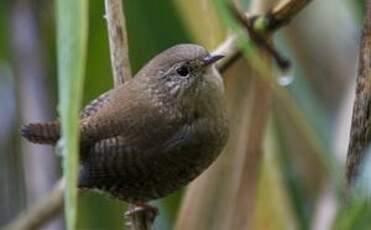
(179, 68)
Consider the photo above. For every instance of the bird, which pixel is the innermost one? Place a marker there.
(153, 134)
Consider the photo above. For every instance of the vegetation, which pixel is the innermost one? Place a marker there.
(284, 165)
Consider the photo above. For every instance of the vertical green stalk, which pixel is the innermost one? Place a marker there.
(72, 27)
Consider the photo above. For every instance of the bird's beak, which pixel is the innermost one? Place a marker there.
(210, 59)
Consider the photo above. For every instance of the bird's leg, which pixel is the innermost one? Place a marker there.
(142, 208)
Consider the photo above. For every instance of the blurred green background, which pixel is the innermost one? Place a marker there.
(302, 158)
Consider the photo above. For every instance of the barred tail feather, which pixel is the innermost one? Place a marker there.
(42, 133)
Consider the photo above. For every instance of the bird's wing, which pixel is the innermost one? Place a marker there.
(101, 160)
(91, 108)
(120, 157)
(125, 112)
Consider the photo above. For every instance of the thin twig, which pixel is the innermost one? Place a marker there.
(230, 51)
(139, 218)
(119, 49)
(283, 12)
(118, 41)
(41, 212)
(360, 134)
(279, 16)
(260, 39)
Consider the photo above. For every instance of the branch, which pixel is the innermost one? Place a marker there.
(230, 51)
(118, 41)
(276, 18)
(140, 218)
(360, 133)
(260, 39)
(42, 211)
(283, 13)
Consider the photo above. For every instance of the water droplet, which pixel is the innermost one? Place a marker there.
(286, 78)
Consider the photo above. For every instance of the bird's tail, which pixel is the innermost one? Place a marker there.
(42, 133)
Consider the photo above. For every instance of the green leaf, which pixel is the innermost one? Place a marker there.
(72, 26)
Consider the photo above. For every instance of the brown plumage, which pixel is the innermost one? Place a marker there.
(41, 133)
(153, 134)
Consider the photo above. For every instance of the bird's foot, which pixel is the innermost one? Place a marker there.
(142, 210)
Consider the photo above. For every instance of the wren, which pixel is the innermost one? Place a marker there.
(153, 134)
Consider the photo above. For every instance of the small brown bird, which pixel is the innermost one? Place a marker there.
(155, 133)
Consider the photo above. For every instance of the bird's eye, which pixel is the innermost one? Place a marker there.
(182, 71)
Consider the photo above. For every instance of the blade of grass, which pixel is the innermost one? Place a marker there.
(72, 27)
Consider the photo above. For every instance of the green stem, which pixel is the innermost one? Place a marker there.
(72, 28)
